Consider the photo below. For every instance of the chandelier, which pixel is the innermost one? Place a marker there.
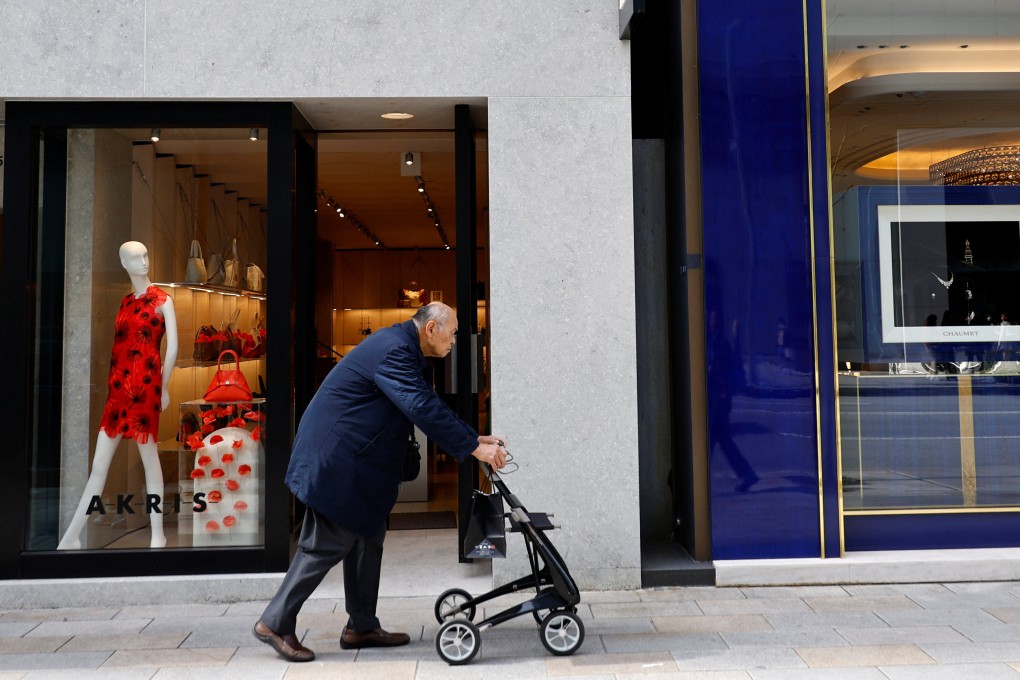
(991, 166)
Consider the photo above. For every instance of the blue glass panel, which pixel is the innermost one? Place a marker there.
(996, 438)
(921, 532)
(757, 252)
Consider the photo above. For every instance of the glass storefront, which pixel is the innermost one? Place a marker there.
(152, 262)
(925, 172)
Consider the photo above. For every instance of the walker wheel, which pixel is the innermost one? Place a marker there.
(458, 641)
(454, 599)
(562, 632)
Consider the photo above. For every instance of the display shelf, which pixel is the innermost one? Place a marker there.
(210, 288)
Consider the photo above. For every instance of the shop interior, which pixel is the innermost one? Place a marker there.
(925, 175)
(386, 242)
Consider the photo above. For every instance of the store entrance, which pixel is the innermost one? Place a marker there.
(388, 240)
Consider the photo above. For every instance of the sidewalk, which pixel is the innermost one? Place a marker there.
(847, 632)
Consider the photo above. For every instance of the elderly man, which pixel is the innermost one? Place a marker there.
(346, 467)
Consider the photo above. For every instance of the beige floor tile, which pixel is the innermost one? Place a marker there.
(845, 604)
(1005, 614)
(349, 670)
(691, 593)
(210, 656)
(590, 596)
(68, 614)
(92, 643)
(608, 664)
(711, 623)
(30, 645)
(689, 675)
(871, 655)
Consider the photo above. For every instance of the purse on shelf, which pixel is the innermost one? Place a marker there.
(214, 267)
(207, 344)
(412, 460)
(231, 339)
(228, 384)
(195, 272)
(253, 345)
(232, 268)
(254, 278)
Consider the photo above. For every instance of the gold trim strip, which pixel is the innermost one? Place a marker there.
(932, 511)
(814, 282)
(968, 459)
(837, 418)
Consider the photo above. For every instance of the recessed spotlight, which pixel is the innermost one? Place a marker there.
(397, 115)
(862, 47)
(963, 47)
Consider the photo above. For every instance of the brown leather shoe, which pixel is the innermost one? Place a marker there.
(286, 646)
(350, 639)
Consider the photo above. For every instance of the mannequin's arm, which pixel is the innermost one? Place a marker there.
(170, 360)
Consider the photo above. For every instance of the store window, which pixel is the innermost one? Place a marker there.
(151, 286)
(925, 161)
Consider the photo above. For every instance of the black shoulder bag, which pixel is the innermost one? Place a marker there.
(412, 460)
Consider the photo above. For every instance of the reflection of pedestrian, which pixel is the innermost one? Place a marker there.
(346, 465)
(721, 378)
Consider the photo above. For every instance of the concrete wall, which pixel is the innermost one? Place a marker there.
(557, 81)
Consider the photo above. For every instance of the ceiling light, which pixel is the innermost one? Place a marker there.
(253, 134)
(398, 116)
(421, 187)
(155, 135)
(409, 158)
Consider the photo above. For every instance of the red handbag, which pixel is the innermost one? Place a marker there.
(228, 384)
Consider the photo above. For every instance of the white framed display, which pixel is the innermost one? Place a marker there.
(949, 273)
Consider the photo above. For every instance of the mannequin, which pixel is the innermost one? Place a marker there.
(138, 390)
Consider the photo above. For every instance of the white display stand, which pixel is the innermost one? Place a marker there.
(222, 481)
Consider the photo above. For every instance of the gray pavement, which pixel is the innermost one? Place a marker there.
(868, 632)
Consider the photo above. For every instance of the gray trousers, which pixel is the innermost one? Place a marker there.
(322, 545)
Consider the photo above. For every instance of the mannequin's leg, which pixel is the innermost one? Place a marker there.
(105, 448)
(154, 487)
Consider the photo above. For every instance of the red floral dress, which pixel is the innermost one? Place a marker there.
(136, 377)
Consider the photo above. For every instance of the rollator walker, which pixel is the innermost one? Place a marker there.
(554, 606)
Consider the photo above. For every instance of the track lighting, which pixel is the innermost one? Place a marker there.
(350, 217)
(421, 186)
(408, 158)
(155, 135)
(253, 134)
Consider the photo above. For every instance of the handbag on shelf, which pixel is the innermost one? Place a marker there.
(253, 345)
(254, 278)
(231, 337)
(412, 460)
(207, 344)
(228, 384)
(195, 272)
(214, 267)
(232, 268)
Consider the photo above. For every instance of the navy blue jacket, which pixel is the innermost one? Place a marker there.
(349, 448)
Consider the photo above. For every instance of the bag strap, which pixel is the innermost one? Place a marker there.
(237, 361)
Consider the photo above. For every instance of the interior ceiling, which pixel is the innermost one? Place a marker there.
(360, 156)
(913, 82)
